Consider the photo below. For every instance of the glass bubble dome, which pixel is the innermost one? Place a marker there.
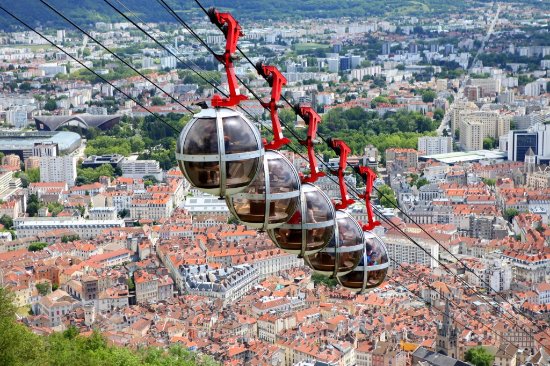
(344, 251)
(311, 227)
(272, 197)
(219, 151)
(372, 270)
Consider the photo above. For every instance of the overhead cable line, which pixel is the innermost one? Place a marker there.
(376, 189)
(93, 71)
(186, 64)
(115, 55)
(395, 205)
(86, 67)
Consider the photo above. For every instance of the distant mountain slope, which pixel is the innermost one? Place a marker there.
(90, 11)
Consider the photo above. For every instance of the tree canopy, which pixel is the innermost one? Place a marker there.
(479, 356)
(20, 347)
(386, 196)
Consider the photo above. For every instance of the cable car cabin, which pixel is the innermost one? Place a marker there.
(219, 151)
(344, 251)
(372, 270)
(311, 227)
(272, 197)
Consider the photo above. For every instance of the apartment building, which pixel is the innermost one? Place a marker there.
(58, 169)
(227, 284)
(86, 229)
(476, 126)
(155, 207)
(151, 288)
(56, 305)
(402, 250)
(141, 168)
(431, 145)
(402, 158)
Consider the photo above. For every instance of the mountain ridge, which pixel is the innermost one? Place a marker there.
(90, 11)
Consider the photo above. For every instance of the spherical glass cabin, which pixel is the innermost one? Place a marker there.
(372, 270)
(272, 197)
(219, 151)
(311, 227)
(344, 251)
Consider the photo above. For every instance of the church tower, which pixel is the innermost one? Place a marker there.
(530, 162)
(447, 335)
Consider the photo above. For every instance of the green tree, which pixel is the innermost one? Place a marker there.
(103, 145)
(18, 345)
(43, 288)
(287, 116)
(479, 356)
(131, 284)
(26, 86)
(489, 143)
(428, 95)
(50, 105)
(386, 196)
(422, 182)
(318, 279)
(157, 101)
(37, 246)
(510, 213)
(33, 205)
(55, 208)
(69, 238)
(34, 175)
(91, 175)
(489, 182)
(439, 114)
(24, 179)
(6, 221)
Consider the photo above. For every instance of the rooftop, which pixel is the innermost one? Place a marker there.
(463, 157)
(67, 141)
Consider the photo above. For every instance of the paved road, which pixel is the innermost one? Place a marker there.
(488, 36)
(445, 122)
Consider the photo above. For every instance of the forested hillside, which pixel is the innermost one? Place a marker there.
(20, 347)
(89, 11)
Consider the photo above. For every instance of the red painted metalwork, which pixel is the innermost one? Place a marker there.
(369, 176)
(342, 150)
(232, 31)
(276, 81)
(312, 120)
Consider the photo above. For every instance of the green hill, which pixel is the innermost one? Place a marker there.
(20, 347)
(89, 11)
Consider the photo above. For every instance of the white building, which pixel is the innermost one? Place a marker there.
(402, 250)
(45, 149)
(103, 213)
(492, 274)
(488, 86)
(56, 305)
(141, 168)
(17, 117)
(151, 288)
(536, 88)
(359, 74)
(430, 145)
(52, 69)
(58, 169)
(205, 205)
(87, 229)
(168, 62)
(228, 284)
